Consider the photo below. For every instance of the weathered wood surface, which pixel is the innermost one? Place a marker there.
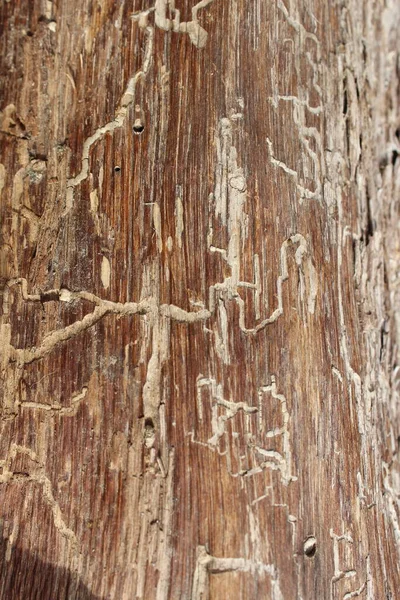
(200, 276)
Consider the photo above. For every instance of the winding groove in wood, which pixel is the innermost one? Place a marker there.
(199, 292)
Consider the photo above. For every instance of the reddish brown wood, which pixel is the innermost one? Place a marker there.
(199, 293)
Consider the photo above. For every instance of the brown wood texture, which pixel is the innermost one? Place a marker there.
(199, 282)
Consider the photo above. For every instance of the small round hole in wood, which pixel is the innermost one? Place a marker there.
(149, 433)
(310, 546)
(138, 128)
(149, 424)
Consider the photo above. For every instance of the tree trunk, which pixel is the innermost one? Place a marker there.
(199, 283)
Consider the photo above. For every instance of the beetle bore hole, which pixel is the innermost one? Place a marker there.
(117, 169)
(149, 433)
(138, 129)
(148, 424)
(310, 546)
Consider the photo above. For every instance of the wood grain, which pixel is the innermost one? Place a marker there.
(199, 300)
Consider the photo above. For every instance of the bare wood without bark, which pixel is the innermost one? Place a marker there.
(199, 281)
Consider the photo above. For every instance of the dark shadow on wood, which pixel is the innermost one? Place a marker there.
(25, 577)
